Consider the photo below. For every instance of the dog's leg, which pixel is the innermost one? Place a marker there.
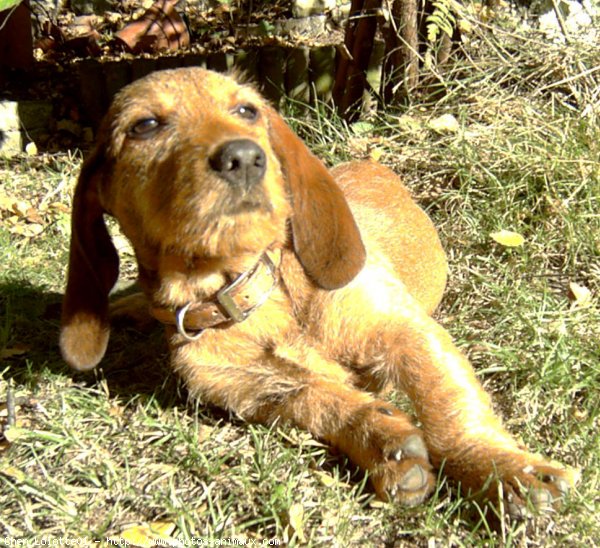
(134, 310)
(374, 435)
(397, 341)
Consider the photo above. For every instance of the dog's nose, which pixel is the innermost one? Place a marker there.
(240, 162)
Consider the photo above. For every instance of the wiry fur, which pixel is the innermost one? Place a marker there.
(350, 315)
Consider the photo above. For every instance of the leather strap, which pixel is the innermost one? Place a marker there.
(232, 304)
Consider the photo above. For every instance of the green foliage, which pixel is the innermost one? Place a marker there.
(442, 19)
(7, 4)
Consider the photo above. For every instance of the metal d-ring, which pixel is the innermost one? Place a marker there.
(180, 318)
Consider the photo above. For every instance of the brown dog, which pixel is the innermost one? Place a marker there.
(289, 291)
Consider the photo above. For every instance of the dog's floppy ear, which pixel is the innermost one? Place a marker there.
(326, 238)
(93, 270)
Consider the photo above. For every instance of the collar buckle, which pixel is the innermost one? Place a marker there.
(232, 304)
(228, 304)
(225, 299)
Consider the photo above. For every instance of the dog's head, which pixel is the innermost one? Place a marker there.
(194, 164)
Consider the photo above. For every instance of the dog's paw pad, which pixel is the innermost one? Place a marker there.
(410, 487)
(408, 481)
(541, 496)
(517, 511)
(414, 479)
(414, 447)
(540, 500)
(562, 485)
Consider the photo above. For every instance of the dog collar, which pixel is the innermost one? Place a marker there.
(232, 304)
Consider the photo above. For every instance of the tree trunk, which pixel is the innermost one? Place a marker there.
(401, 64)
(350, 79)
(406, 45)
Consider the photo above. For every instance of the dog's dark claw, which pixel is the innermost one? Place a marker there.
(385, 411)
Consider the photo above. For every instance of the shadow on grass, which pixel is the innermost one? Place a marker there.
(135, 362)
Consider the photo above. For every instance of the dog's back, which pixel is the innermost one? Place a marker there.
(393, 225)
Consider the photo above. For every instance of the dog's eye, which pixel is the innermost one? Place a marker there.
(248, 112)
(144, 128)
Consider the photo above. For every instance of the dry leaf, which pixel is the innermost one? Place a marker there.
(296, 519)
(378, 504)
(580, 295)
(31, 149)
(33, 216)
(508, 238)
(205, 432)
(13, 473)
(326, 479)
(13, 433)
(410, 124)
(6, 202)
(20, 207)
(28, 230)
(446, 123)
(116, 411)
(375, 154)
(59, 206)
(147, 535)
(18, 350)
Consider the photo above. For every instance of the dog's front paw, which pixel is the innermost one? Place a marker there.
(534, 487)
(132, 310)
(406, 475)
(393, 453)
(523, 483)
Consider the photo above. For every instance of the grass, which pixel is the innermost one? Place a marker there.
(92, 457)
